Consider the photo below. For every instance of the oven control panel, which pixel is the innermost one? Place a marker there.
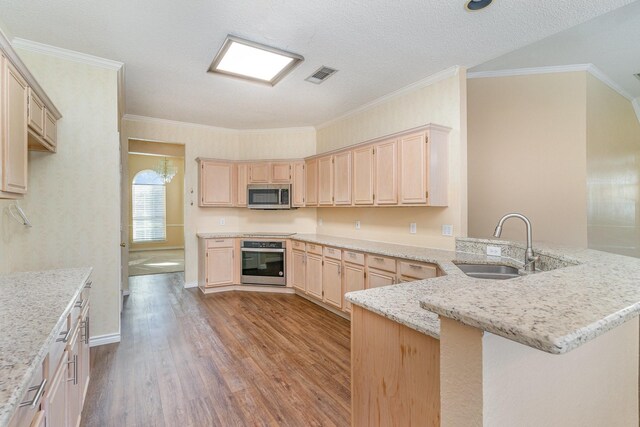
(262, 245)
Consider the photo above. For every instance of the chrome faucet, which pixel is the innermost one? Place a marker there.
(529, 257)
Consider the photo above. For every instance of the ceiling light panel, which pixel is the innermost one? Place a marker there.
(253, 61)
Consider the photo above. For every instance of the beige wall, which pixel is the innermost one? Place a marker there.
(527, 154)
(174, 201)
(613, 171)
(73, 198)
(206, 141)
(442, 102)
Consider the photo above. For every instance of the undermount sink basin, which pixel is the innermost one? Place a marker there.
(489, 271)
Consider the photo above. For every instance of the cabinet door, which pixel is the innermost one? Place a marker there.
(56, 400)
(216, 181)
(332, 282)
(342, 178)
(298, 270)
(298, 185)
(50, 129)
(378, 278)
(281, 173)
(258, 173)
(85, 357)
(386, 173)
(311, 183)
(241, 185)
(325, 180)
(14, 135)
(412, 151)
(363, 176)
(74, 397)
(353, 281)
(36, 113)
(314, 275)
(219, 267)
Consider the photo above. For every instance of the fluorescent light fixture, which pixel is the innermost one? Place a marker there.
(253, 61)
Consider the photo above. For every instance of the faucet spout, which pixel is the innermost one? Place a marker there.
(529, 257)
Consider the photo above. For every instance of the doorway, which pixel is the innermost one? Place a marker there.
(153, 222)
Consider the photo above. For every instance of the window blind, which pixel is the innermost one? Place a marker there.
(149, 213)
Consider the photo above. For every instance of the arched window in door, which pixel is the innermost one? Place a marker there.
(148, 207)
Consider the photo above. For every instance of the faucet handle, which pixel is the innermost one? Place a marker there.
(531, 261)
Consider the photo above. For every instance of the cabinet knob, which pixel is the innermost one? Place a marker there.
(122, 244)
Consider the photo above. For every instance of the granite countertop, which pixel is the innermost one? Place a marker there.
(33, 306)
(239, 234)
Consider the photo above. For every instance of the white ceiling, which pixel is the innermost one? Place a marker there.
(611, 42)
(379, 46)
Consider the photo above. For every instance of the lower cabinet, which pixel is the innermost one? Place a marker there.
(57, 400)
(74, 394)
(314, 275)
(298, 279)
(332, 282)
(353, 278)
(378, 278)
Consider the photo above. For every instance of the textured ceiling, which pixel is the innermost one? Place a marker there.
(379, 46)
(611, 42)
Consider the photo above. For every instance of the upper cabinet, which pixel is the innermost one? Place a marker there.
(216, 183)
(406, 169)
(25, 110)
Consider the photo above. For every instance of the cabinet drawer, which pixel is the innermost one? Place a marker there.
(312, 248)
(63, 336)
(25, 416)
(418, 270)
(353, 257)
(382, 263)
(219, 243)
(297, 245)
(333, 253)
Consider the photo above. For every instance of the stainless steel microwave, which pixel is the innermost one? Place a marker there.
(269, 196)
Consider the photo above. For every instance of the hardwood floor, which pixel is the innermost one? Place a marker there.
(231, 359)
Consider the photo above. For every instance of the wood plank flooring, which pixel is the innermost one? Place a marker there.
(231, 359)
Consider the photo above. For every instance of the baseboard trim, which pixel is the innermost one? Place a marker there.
(104, 339)
(248, 288)
(188, 285)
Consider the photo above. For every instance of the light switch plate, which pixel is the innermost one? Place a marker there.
(357, 225)
(222, 221)
(413, 228)
(447, 230)
(494, 251)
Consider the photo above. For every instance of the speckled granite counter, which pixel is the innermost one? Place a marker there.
(239, 234)
(32, 309)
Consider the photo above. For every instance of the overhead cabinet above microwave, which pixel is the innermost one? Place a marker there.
(409, 168)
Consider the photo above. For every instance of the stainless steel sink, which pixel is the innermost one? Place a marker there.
(489, 271)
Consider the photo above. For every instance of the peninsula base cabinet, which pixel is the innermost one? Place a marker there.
(57, 392)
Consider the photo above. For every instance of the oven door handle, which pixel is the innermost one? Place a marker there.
(262, 250)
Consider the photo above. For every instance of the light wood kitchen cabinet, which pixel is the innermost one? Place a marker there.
(363, 176)
(13, 134)
(311, 184)
(386, 173)
(219, 266)
(50, 130)
(314, 275)
(325, 181)
(216, 183)
(332, 282)
(409, 271)
(57, 399)
(377, 278)
(39, 420)
(85, 356)
(342, 178)
(353, 280)
(259, 173)
(412, 153)
(35, 113)
(74, 395)
(280, 173)
(298, 279)
(241, 184)
(298, 185)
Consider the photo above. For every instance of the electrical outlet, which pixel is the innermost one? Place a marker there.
(494, 251)
(320, 222)
(357, 225)
(222, 221)
(447, 230)
(413, 228)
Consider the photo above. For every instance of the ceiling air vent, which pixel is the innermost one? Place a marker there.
(321, 74)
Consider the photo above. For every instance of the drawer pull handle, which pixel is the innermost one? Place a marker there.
(36, 398)
(417, 267)
(75, 370)
(65, 338)
(219, 241)
(79, 303)
(352, 255)
(377, 258)
(88, 285)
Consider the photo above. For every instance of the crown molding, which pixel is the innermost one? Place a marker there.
(428, 81)
(146, 119)
(71, 55)
(590, 68)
